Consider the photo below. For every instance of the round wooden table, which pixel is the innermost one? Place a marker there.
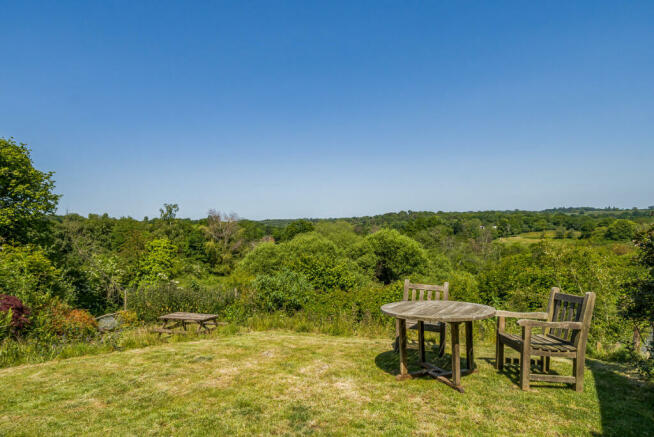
(446, 311)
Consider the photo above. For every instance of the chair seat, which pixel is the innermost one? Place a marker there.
(539, 342)
(431, 327)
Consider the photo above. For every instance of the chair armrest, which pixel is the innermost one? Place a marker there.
(500, 313)
(553, 325)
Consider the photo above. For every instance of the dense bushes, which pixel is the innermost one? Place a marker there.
(620, 230)
(315, 257)
(28, 274)
(286, 290)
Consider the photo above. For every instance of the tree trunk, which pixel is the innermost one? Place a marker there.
(636, 340)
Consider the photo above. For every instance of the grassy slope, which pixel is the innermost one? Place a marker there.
(279, 382)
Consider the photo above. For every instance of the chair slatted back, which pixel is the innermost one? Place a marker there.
(426, 291)
(570, 308)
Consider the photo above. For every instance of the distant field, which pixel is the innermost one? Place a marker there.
(533, 237)
(278, 382)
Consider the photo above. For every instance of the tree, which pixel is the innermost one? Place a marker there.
(159, 263)
(620, 230)
(560, 233)
(640, 299)
(297, 227)
(168, 212)
(225, 240)
(26, 195)
(390, 256)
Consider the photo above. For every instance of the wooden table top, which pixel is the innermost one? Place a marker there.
(189, 317)
(438, 310)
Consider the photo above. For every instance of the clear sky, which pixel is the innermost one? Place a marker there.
(280, 109)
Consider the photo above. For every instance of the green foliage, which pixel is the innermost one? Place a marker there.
(620, 230)
(295, 228)
(26, 195)
(640, 297)
(389, 256)
(286, 290)
(315, 257)
(159, 262)
(5, 324)
(26, 272)
(341, 233)
(639, 300)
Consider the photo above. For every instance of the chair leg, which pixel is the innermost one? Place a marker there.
(541, 364)
(499, 354)
(578, 372)
(441, 346)
(547, 364)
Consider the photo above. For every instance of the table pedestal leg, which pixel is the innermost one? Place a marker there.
(401, 331)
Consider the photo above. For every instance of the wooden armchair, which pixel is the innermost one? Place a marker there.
(565, 332)
(433, 292)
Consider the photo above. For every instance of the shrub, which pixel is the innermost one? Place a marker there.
(311, 255)
(15, 315)
(5, 324)
(26, 273)
(127, 318)
(286, 290)
(78, 324)
(620, 230)
(58, 319)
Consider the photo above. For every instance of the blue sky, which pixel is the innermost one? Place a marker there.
(328, 109)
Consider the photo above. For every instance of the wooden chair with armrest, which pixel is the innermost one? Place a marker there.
(565, 327)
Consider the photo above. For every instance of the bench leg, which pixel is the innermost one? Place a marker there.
(499, 346)
(421, 341)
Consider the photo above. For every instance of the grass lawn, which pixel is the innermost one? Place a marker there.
(278, 382)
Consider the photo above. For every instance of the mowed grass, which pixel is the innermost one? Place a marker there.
(278, 382)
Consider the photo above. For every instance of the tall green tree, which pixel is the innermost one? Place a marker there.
(640, 298)
(26, 194)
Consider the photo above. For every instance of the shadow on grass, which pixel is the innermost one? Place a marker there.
(512, 371)
(389, 361)
(626, 404)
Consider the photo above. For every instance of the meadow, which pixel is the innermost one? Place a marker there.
(281, 382)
